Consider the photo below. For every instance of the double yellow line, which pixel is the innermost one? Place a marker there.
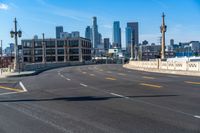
(151, 85)
(11, 89)
(190, 82)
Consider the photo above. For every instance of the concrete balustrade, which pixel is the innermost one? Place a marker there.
(167, 65)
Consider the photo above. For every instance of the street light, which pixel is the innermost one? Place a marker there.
(15, 34)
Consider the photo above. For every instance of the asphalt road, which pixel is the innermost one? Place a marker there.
(100, 99)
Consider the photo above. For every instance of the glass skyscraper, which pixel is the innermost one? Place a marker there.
(95, 33)
(59, 29)
(88, 33)
(132, 32)
(116, 34)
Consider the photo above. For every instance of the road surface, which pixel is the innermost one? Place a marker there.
(100, 99)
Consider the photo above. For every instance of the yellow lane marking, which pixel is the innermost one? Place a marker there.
(172, 76)
(101, 70)
(151, 85)
(190, 82)
(122, 74)
(92, 75)
(146, 77)
(110, 78)
(11, 89)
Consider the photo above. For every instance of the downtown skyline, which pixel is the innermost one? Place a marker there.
(75, 17)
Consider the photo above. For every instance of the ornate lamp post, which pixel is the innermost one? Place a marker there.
(163, 29)
(15, 34)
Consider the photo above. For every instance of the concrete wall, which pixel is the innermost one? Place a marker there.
(40, 66)
(166, 65)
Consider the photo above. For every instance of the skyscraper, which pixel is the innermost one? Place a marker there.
(117, 34)
(132, 32)
(95, 33)
(171, 42)
(106, 43)
(99, 40)
(59, 29)
(88, 33)
(75, 34)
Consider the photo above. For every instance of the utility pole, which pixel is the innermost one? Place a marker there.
(163, 29)
(15, 34)
(10, 54)
(132, 46)
(44, 51)
(1, 55)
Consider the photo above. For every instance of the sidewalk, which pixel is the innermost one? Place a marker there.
(176, 72)
(17, 74)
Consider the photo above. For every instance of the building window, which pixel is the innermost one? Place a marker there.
(74, 58)
(60, 43)
(50, 52)
(50, 44)
(26, 45)
(26, 52)
(38, 59)
(86, 58)
(27, 59)
(73, 51)
(60, 58)
(38, 44)
(50, 58)
(38, 52)
(73, 43)
(60, 51)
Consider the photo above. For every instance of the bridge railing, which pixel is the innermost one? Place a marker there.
(167, 65)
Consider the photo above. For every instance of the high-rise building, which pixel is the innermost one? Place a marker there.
(75, 34)
(145, 42)
(132, 33)
(59, 29)
(116, 34)
(95, 34)
(9, 50)
(88, 33)
(106, 43)
(65, 35)
(172, 42)
(99, 40)
(128, 37)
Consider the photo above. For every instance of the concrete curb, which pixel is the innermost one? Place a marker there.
(186, 73)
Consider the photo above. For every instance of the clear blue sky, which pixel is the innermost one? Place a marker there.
(38, 16)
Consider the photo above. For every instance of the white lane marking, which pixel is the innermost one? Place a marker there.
(109, 72)
(68, 79)
(84, 85)
(23, 87)
(118, 95)
(64, 77)
(7, 93)
(148, 103)
(92, 75)
(197, 116)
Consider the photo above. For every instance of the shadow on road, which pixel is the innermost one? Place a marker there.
(84, 98)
